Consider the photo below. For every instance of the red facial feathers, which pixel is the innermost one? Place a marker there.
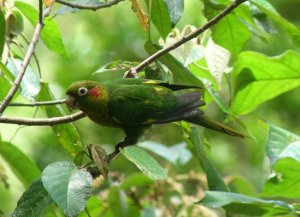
(94, 92)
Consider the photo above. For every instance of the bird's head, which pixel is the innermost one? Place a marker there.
(82, 93)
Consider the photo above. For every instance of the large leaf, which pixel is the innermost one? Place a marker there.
(242, 204)
(30, 84)
(194, 136)
(282, 143)
(160, 17)
(175, 8)
(286, 180)
(2, 33)
(50, 33)
(147, 164)
(261, 78)
(180, 73)
(33, 201)
(67, 134)
(230, 32)
(268, 9)
(177, 154)
(22, 166)
(68, 186)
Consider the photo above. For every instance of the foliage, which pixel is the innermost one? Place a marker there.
(245, 76)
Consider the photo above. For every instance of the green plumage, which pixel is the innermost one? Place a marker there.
(134, 104)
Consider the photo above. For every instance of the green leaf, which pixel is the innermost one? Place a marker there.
(160, 17)
(66, 9)
(230, 32)
(33, 201)
(180, 73)
(175, 8)
(176, 154)
(195, 137)
(286, 181)
(268, 9)
(50, 33)
(217, 98)
(30, 84)
(144, 162)
(242, 204)
(282, 143)
(66, 134)
(2, 33)
(136, 180)
(261, 78)
(22, 166)
(68, 186)
(121, 205)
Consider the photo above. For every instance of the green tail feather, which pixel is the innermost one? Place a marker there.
(214, 125)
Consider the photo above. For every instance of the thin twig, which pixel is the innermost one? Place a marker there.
(60, 101)
(42, 121)
(34, 56)
(192, 35)
(26, 61)
(89, 7)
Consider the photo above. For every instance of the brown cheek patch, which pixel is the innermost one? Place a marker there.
(94, 92)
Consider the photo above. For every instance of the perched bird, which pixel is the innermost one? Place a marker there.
(134, 104)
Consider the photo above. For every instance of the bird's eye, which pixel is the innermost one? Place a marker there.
(82, 91)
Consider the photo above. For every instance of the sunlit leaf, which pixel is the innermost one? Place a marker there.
(33, 201)
(285, 182)
(217, 59)
(68, 186)
(140, 13)
(242, 204)
(282, 143)
(66, 134)
(147, 164)
(30, 84)
(230, 32)
(50, 33)
(21, 165)
(261, 78)
(177, 154)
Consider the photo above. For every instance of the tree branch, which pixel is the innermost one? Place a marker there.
(42, 121)
(44, 103)
(89, 7)
(26, 60)
(132, 72)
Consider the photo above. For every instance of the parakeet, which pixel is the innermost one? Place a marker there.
(134, 104)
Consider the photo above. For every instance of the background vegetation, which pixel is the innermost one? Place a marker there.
(259, 49)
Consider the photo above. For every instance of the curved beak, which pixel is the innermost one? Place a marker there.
(71, 102)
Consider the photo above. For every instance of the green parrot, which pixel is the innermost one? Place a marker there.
(134, 104)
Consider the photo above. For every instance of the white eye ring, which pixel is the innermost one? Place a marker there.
(82, 91)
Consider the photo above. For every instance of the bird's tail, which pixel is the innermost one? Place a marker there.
(214, 125)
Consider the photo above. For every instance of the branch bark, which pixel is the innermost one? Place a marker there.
(133, 71)
(89, 7)
(42, 121)
(26, 60)
(44, 103)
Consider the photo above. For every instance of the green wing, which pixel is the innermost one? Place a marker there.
(140, 103)
(135, 81)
